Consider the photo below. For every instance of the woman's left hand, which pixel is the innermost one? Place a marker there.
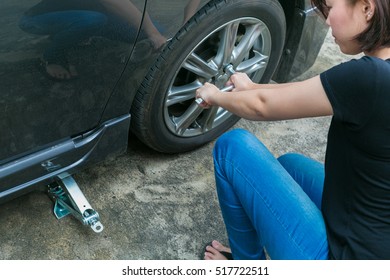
(208, 92)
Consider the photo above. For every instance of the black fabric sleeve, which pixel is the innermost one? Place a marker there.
(350, 87)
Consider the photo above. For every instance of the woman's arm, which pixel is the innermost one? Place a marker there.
(124, 9)
(271, 101)
(190, 9)
(130, 13)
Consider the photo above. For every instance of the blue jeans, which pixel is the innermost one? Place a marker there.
(267, 202)
(69, 28)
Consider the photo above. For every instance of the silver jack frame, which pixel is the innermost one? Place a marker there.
(69, 199)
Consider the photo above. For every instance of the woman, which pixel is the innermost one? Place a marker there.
(294, 207)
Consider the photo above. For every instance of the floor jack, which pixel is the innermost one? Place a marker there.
(69, 199)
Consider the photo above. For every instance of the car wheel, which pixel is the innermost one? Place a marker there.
(247, 36)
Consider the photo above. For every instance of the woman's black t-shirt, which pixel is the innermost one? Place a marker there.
(356, 197)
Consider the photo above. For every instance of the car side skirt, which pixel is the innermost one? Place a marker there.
(43, 167)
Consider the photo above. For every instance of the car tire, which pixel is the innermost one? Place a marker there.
(248, 35)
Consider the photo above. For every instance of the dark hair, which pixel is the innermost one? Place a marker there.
(377, 34)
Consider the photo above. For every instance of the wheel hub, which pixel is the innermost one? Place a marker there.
(214, 59)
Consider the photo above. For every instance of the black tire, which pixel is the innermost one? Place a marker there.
(175, 123)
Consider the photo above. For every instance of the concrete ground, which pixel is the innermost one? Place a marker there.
(153, 206)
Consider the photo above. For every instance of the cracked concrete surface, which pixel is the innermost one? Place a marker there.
(153, 206)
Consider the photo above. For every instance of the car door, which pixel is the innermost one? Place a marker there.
(59, 63)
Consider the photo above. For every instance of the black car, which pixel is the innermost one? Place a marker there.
(77, 76)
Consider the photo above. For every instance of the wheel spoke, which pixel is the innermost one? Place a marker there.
(259, 61)
(199, 67)
(178, 94)
(183, 122)
(209, 119)
(227, 43)
(251, 35)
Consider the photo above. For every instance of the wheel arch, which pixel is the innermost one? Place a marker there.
(305, 33)
(290, 8)
(143, 121)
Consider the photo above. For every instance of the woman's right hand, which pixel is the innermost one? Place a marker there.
(241, 81)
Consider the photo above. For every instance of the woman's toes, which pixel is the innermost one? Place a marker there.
(217, 245)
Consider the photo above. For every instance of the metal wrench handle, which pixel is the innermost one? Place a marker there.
(228, 69)
(225, 89)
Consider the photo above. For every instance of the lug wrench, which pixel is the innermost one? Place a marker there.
(228, 69)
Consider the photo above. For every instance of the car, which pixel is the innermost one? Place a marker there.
(78, 77)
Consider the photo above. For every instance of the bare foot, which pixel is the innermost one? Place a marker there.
(59, 72)
(213, 252)
(157, 41)
(72, 70)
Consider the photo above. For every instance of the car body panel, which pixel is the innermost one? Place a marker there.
(37, 111)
